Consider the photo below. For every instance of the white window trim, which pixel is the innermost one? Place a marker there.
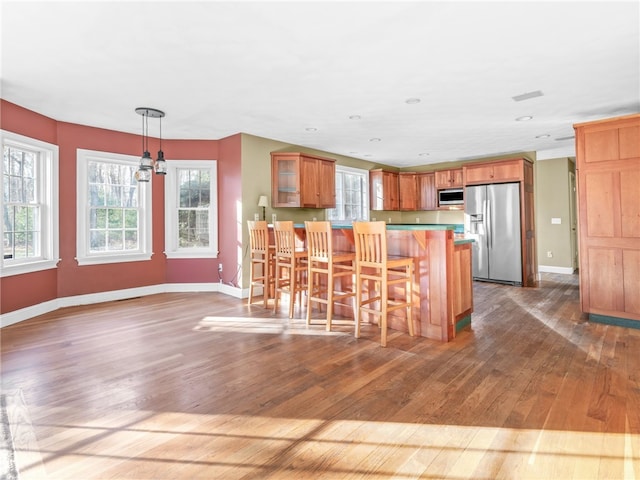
(171, 210)
(48, 178)
(365, 202)
(83, 257)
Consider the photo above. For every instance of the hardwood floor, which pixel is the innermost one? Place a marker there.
(201, 385)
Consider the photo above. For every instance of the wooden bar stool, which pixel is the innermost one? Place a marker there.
(376, 272)
(325, 267)
(262, 260)
(291, 265)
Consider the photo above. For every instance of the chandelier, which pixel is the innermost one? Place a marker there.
(146, 162)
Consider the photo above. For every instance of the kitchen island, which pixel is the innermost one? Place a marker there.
(442, 287)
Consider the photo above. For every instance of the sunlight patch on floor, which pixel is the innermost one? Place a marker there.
(275, 326)
(174, 444)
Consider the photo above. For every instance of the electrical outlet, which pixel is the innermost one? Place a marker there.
(219, 268)
(549, 254)
(256, 216)
(273, 218)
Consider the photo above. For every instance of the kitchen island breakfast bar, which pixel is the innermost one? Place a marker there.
(442, 286)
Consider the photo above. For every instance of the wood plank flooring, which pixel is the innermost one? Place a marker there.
(202, 386)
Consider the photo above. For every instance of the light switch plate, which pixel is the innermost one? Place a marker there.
(556, 221)
(256, 216)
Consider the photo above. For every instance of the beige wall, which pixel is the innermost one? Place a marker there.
(553, 200)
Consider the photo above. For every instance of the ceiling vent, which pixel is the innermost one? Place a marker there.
(527, 96)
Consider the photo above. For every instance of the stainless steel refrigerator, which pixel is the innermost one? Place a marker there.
(492, 219)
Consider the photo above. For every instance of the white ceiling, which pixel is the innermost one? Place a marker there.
(278, 69)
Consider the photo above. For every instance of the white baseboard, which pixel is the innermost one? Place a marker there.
(548, 269)
(26, 313)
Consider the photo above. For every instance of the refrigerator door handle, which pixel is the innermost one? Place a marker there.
(488, 220)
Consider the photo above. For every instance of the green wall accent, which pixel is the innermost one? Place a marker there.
(553, 201)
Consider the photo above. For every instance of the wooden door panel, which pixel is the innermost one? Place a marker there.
(427, 197)
(326, 184)
(631, 272)
(601, 146)
(308, 182)
(507, 171)
(629, 138)
(600, 204)
(605, 274)
(630, 203)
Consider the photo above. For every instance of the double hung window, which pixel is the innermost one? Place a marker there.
(113, 209)
(191, 225)
(352, 195)
(29, 194)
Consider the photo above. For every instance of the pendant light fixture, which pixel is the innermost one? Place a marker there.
(146, 162)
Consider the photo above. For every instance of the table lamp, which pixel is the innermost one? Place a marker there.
(263, 202)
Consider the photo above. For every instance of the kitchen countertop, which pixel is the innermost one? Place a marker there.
(458, 240)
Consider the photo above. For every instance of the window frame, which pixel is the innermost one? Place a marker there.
(47, 185)
(83, 254)
(171, 199)
(341, 169)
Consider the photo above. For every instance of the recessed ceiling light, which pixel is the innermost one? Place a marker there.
(375, 139)
(412, 101)
(424, 154)
(524, 119)
(544, 135)
(354, 117)
(311, 129)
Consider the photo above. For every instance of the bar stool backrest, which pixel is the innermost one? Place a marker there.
(319, 240)
(371, 243)
(285, 238)
(258, 236)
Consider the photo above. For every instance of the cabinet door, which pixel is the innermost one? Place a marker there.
(443, 179)
(510, 171)
(383, 191)
(376, 191)
(391, 199)
(507, 172)
(285, 181)
(456, 177)
(308, 182)
(326, 184)
(427, 197)
(407, 191)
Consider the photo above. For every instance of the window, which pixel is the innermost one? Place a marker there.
(191, 223)
(352, 195)
(29, 193)
(114, 210)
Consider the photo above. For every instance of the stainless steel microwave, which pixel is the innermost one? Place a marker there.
(451, 196)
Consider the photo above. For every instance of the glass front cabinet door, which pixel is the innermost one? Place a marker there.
(302, 180)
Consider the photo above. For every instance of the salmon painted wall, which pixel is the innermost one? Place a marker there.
(22, 291)
(229, 193)
(69, 279)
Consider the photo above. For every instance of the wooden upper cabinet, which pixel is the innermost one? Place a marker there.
(494, 172)
(407, 186)
(302, 180)
(427, 193)
(383, 190)
(449, 178)
(608, 167)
